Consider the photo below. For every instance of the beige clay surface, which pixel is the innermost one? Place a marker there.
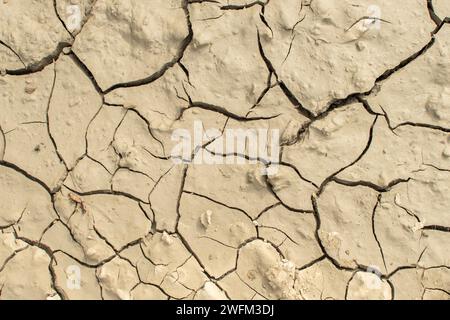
(354, 204)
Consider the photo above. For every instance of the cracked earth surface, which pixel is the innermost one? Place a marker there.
(360, 205)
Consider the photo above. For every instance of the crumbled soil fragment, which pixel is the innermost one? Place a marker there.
(368, 286)
(74, 13)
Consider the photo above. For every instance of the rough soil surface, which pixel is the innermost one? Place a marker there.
(358, 209)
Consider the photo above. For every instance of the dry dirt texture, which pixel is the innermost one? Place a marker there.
(360, 205)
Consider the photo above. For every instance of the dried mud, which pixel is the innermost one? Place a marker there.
(359, 207)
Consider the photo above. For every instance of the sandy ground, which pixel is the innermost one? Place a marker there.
(355, 203)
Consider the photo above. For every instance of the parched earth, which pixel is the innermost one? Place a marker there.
(93, 205)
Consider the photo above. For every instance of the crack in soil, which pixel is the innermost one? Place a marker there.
(261, 265)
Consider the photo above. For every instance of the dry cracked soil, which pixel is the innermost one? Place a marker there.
(93, 205)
